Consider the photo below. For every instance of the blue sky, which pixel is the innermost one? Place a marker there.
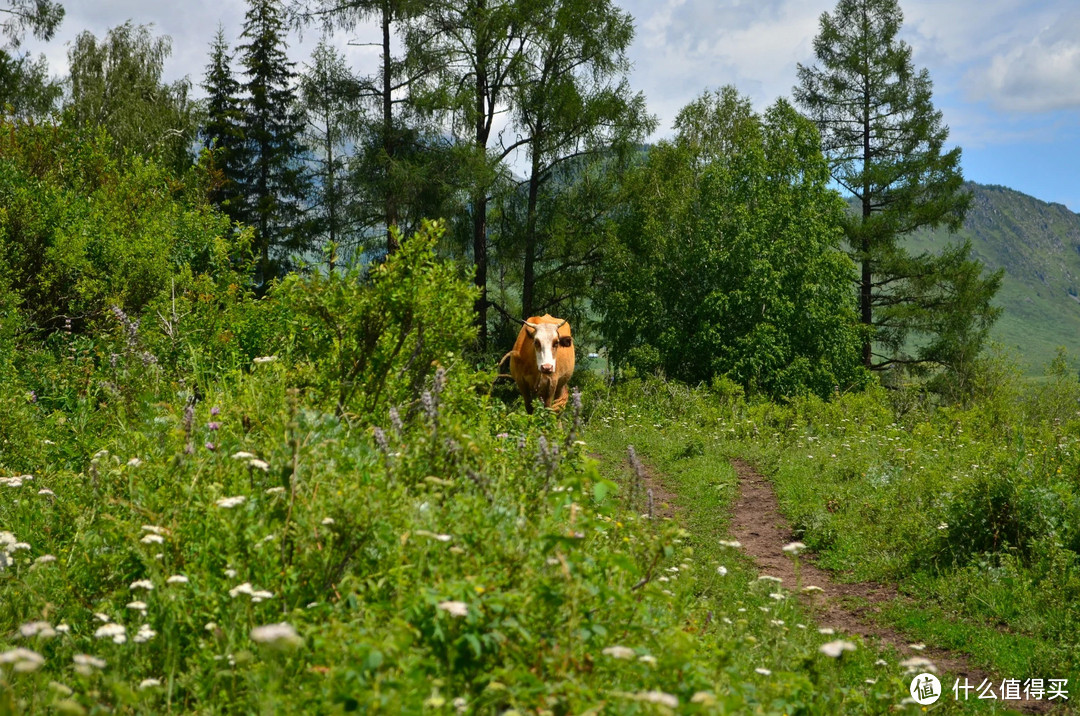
(1006, 72)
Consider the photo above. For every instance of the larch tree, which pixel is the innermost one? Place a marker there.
(575, 116)
(276, 179)
(885, 143)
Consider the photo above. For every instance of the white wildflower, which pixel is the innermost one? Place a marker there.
(85, 664)
(177, 579)
(812, 588)
(658, 697)
(730, 543)
(455, 609)
(327, 520)
(38, 629)
(834, 649)
(705, 698)
(259, 595)
(19, 546)
(100, 616)
(45, 559)
(281, 636)
(46, 491)
(917, 647)
(917, 664)
(827, 631)
(881, 662)
(244, 588)
(21, 659)
(265, 359)
(144, 634)
(721, 570)
(777, 622)
(148, 683)
(794, 547)
(619, 652)
(647, 659)
(137, 605)
(210, 626)
(230, 502)
(769, 578)
(230, 572)
(142, 584)
(778, 596)
(154, 529)
(242, 455)
(152, 539)
(63, 628)
(134, 462)
(116, 632)
(275, 490)
(259, 464)
(763, 671)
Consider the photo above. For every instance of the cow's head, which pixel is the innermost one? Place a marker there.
(546, 341)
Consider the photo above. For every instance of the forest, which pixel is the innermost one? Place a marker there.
(256, 453)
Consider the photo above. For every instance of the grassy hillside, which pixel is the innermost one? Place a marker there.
(1038, 245)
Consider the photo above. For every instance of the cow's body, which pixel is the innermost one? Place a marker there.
(543, 371)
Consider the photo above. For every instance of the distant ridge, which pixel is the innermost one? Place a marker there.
(1038, 245)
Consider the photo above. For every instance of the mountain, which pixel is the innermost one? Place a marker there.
(1038, 245)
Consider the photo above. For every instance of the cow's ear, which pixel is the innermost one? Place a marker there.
(566, 341)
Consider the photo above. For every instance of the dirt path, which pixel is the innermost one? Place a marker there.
(757, 523)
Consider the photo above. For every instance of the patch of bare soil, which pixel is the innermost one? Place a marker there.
(757, 523)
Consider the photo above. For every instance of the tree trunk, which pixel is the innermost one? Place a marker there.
(388, 131)
(528, 284)
(480, 197)
(866, 283)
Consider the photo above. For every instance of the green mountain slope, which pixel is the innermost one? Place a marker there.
(1038, 245)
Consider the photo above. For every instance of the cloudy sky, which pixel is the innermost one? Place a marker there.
(1006, 72)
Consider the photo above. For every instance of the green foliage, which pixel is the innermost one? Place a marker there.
(81, 231)
(885, 145)
(373, 342)
(26, 90)
(222, 132)
(728, 264)
(116, 85)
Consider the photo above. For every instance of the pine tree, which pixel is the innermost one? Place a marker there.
(276, 183)
(885, 143)
(223, 134)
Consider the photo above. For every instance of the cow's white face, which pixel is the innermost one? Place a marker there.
(545, 337)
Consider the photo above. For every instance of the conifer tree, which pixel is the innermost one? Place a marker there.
(275, 183)
(885, 142)
(223, 133)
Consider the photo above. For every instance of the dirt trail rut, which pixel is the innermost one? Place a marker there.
(757, 523)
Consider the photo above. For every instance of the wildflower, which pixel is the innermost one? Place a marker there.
(777, 622)
(230, 502)
(209, 446)
(46, 491)
(280, 636)
(45, 559)
(140, 606)
(244, 588)
(647, 659)
(918, 664)
(834, 649)
(152, 539)
(721, 570)
(134, 462)
(230, 573)
(704, 698)
(658, 697)
(154, 529)
(177, 579)
(102, 617)
(619, 652)
(917, 647)
(142, 584)
(63, 628)
(259, 464)
(432, 535)
(769, 578)
(38, 629)
(259, 595)
(144, 634)
(943, 526)
(778, 596)
(730, 543)
(213, 425)
(812, 588)
(242, 455)
(265, 359)
(794, 547)
(87, 662)
(881, 662)
(763, 671)
(21, 659)
(210, 626)
(148, 683)
(327, 520)
(275, 490)
(62, 689)
(455, 609)
(18, 546)
(827, 631)
(116, 632)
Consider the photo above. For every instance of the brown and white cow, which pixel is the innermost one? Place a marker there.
(542, 361)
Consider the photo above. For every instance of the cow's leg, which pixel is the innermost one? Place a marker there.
(562, 394)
